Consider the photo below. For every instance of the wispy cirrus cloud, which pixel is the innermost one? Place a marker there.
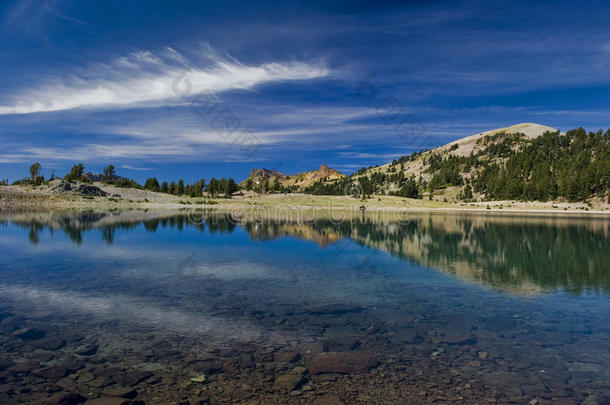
(147, 78)
(368, 155)
(179, 134)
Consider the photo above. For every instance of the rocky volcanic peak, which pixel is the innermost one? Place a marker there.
(297, 181)
(325, 171)
(264, 173)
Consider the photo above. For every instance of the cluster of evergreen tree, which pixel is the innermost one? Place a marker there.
(267, 185)
(216, 187)
(222, 186)
(36, 178)
(575, 166)
(337, 187)
(176, 188)
(367, 185)
(110, 177)
(77, 173)
(445, 171)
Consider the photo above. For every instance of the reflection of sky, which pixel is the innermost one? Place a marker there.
(136, 311)
(179, 263)
(204, 283)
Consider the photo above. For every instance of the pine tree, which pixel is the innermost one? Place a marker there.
(230, 188)
(152, 184)
(109, 174)
(35, 171)
(76, 173)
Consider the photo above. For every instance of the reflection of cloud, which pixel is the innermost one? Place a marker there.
(84, 250)
(133, 310)
(238, 269)
(230, 271)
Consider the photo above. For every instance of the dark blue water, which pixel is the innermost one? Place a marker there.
(435, 308)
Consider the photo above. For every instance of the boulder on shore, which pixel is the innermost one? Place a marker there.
(75, 187)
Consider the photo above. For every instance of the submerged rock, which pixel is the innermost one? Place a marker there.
(285, 357)
(64, 398)
(329, 399)
(288, 382)
(208, 366)
(51, 343)
(341, 362)
(52, 372)
(246, 360)
(108, 401)
(87, 350)
(120, 392)
(24, 367)
(334, 309)
(198, 379)
(458, 338)
(28, 334)
(4, 364)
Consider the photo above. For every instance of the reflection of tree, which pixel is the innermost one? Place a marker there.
(108, 234)
(219, 223)
(75, 235)
(511, 255)
(514, 253)
(151, 225)
(34, 234)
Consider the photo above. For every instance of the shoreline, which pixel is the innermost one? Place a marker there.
(26, 199)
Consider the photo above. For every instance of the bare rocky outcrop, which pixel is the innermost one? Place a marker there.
(75, 187)
(297, 181)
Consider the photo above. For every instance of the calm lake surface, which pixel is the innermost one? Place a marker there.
(165, 307)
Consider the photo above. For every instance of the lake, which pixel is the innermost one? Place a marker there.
(212, 307)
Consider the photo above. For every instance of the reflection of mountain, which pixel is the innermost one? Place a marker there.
(517, 254)
(274, 230)
(520, 254)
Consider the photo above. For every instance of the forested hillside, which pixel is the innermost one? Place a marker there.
(574, 166)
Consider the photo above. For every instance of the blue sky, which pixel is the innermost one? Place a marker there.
(191, 89)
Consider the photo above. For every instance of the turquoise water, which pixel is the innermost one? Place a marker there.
(456, 308)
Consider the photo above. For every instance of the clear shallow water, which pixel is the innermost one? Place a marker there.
(433, 308)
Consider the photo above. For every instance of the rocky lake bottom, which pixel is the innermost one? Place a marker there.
(151, 308)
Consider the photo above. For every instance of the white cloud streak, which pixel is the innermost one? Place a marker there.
(187, 136)
(145, 78)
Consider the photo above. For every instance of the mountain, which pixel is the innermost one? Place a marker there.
(521, 162)
(473, 143)
(266, 178)
(260, 175)
(486, 250)
(465, 146)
